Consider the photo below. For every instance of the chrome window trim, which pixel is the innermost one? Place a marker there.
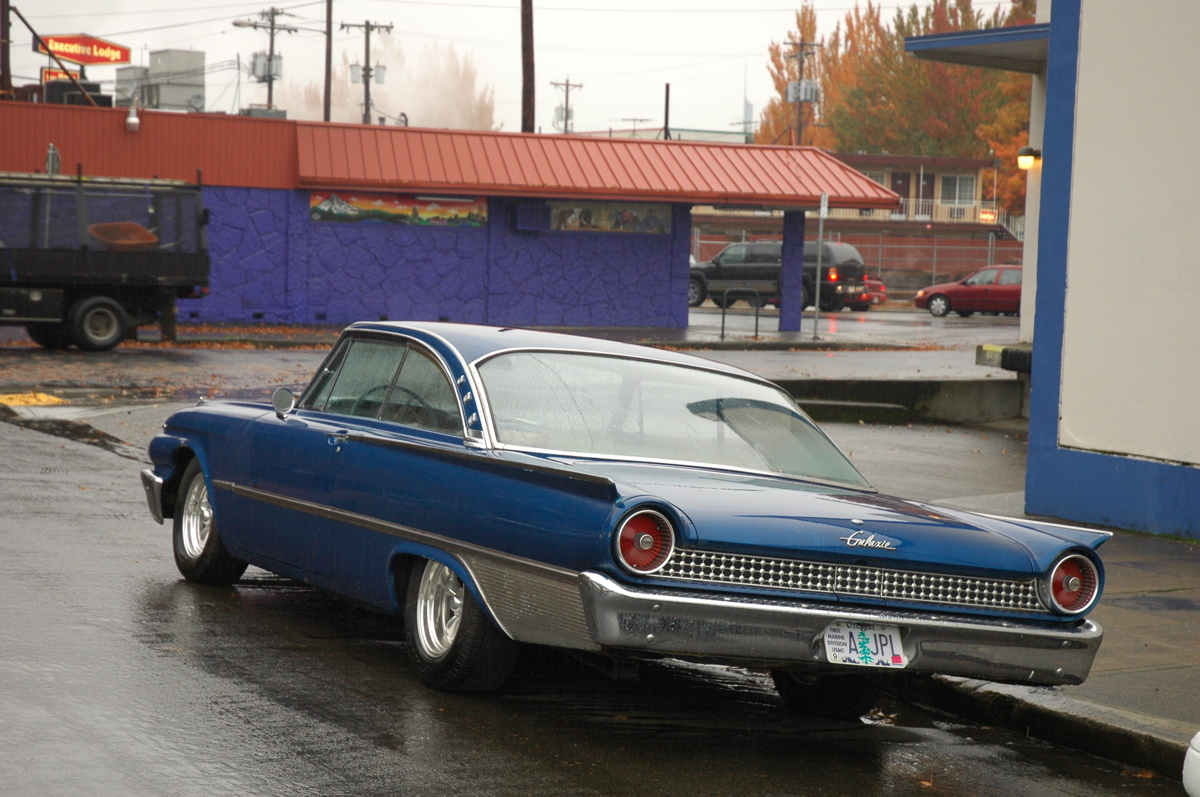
(408, 341)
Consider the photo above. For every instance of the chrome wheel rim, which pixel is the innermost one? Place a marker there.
(693, 292)
(439, 609)
(197, 519)
(939, 306)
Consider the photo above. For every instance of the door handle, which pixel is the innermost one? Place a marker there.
(338, 437)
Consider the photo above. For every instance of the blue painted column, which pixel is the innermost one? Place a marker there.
(791, 277)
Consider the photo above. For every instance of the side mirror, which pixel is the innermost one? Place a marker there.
(284, 401)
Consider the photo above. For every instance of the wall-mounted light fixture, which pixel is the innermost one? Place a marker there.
(1027, 157)
(132, 123)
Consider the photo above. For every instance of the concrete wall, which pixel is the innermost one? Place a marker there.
(272, 263)
(1114, 427)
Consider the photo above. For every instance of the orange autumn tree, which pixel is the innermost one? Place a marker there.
(877, 98)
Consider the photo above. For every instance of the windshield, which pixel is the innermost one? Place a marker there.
(613, 406)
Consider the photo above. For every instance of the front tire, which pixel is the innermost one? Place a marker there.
(837, 697)
(200, 554)
(452, 644)
(939, 305)
(696, 292)
(97, 323)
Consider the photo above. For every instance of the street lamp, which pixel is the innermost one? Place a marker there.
(1027, 158)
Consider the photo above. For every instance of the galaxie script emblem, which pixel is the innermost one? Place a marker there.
(857, 540)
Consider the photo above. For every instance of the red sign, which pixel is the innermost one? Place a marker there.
(79, 48)
(54, 73)
(987, 215)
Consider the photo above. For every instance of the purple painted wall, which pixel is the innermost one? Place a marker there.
(272, 263)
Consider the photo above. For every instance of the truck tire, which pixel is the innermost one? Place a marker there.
(96, 323)
(48, 336)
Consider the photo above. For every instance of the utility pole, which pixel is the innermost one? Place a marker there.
(6, 85)
(527, 89)
(804, 90)
(270, 15)
(367, 27)
(566, 87)
(328, 54)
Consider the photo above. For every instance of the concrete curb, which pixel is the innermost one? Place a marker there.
(1138, 740)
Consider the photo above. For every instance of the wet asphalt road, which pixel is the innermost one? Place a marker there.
(119, 678)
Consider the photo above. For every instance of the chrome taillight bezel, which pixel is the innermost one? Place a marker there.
(1089, 588)
(666, 534)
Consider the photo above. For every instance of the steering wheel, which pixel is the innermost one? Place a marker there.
(365, 397)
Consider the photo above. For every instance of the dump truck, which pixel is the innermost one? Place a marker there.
(85, 261)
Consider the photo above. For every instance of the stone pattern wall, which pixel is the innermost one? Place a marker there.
(272, 263)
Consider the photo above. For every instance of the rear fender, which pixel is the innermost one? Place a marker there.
(400, 565)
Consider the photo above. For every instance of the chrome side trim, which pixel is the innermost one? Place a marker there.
(152, 485)
(535, 608)
(530, 601)
(776, 633)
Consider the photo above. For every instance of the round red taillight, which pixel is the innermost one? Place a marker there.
(1072, 585)
(645, 541)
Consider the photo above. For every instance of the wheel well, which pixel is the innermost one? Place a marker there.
(401, 573)
(170, 489)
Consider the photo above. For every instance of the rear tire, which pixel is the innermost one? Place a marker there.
(452, 644)
(200, 554)
(837, 697)
(48, 336)
(719, 301)
(965, 313)
(97, 323)
(696, 292)
(833, 305)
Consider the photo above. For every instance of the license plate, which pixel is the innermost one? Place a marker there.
(864, 645)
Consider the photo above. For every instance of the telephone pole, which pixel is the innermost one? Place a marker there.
(566, 87)
(270, 15)
(805, 91)
(527, 89)
(367, 27)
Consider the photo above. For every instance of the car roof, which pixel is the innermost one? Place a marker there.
(475, 342)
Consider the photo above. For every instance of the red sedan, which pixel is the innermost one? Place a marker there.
(876, 294)
(995, 289)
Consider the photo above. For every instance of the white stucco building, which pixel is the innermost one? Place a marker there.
(1111, 297)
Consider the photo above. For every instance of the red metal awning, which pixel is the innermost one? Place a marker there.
(578, 167)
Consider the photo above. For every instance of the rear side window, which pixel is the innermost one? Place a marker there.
(1010, 276)
(765, 253)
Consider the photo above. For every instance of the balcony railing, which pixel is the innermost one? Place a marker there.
(934, 210)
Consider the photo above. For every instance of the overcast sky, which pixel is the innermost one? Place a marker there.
(623, 52)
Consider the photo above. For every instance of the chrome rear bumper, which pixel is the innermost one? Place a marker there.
(762, 632)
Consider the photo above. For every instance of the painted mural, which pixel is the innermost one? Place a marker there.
(610, 217)
(358, 207)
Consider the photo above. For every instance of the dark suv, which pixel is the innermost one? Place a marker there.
(743, 269)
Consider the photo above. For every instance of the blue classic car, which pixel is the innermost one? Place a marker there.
(505, 486)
